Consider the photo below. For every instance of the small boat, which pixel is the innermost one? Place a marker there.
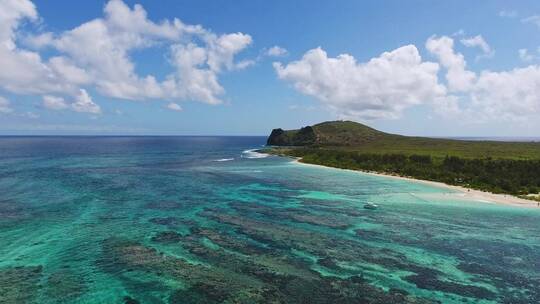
(370, 206)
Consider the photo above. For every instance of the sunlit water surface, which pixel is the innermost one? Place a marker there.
(202, 220)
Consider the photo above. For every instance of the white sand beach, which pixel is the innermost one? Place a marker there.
(466, 194)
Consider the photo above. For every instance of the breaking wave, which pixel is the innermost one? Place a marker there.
(253, 154)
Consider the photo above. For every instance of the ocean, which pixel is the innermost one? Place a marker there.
(209, 220)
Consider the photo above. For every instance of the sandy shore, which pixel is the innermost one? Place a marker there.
(463, 193)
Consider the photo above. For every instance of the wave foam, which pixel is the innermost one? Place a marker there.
(223, 159)
(251, 153)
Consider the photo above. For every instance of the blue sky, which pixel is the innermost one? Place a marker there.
(478, 77)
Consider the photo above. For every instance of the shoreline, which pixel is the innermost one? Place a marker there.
(466, 193)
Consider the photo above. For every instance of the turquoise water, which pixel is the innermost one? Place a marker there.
(198, 220)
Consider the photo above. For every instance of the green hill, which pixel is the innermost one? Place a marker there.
(353, 136)
(501, 167)
(330, 133)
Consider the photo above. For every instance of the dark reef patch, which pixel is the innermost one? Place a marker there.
(170, 222)
(130, 300)
(64, 286)
(199, 293)
(167, 237)
(20, 284)
(236, 278)
(294, 214)
(428, 280)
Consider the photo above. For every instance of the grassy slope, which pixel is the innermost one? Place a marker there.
(351, 136)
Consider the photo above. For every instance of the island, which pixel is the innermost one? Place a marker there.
(491, 166)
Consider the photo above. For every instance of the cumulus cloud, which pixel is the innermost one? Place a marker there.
(380, 88)
(196, 81)
(385, 86)
(511, 95)
(5, 106)
(276, 51)
(10, 15)
(174, 107)
(24, 71)
(244, 64)
(38, 41)
(222, 49)
(458, 77)
(54, 103)
(82, 103)
(124, 29)
(130, 23)
(97, 54)
(479, 42)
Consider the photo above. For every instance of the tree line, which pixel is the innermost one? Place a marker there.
(517, 177)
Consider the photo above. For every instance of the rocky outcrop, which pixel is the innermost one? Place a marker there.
(304, 137)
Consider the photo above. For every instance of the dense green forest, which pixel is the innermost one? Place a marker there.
(499, 167)
(511, 176)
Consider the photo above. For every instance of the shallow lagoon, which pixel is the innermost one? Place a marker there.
(161, 220)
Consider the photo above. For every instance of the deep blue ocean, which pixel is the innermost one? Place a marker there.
(209, 220)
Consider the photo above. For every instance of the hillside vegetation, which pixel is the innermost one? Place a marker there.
(353, 136)
(500, 167)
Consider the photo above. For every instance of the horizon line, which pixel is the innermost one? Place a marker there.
(478, 137)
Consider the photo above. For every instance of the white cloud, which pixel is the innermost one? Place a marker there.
(66, 69)
(84, 103)
(386, 85)
(12, 11)
(193, 78)
(244, 64)
(381, 88)
(508, 14)
(457, 76)
(478, 41)
(222, 49)
(97, 54)
(276, 51)
(174, 107)
(121, 19)
(23, 71)
(524, 55)
(5, 106)
(54, 103)
(534, 19)
(124, 29)
(39, 41)
(513, 94)
(504, 95)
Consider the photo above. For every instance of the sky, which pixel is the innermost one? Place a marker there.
(173, 67)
